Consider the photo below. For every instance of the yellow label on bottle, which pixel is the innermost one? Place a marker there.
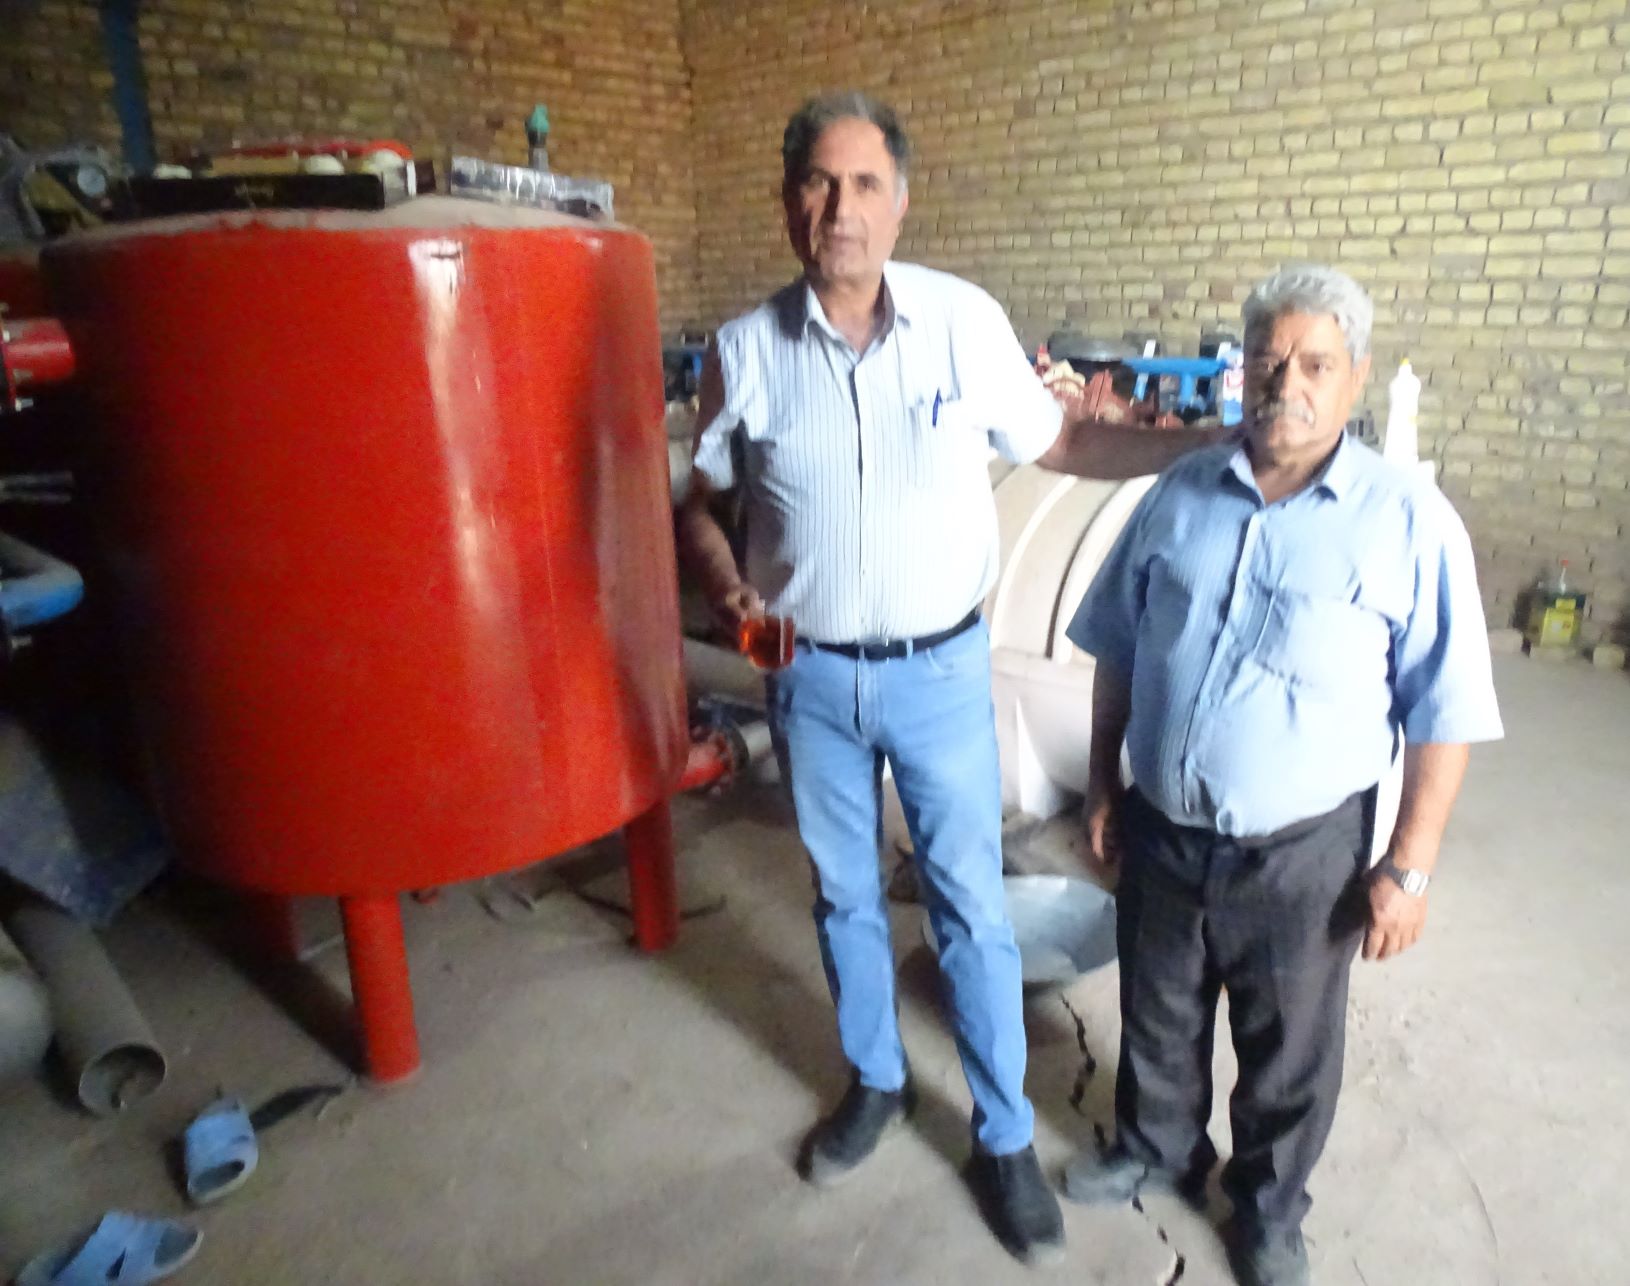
(1555, 624)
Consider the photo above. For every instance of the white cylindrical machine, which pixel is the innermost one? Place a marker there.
(1055, 533)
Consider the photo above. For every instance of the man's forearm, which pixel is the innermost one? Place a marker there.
(1097, 449)
(1433, 772)
(705, 548)
(1111, 710)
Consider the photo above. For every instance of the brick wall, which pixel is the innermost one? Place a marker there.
(1137, 165)
(440, 76)
(1116, 164)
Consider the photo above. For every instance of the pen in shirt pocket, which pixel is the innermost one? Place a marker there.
(934, 419)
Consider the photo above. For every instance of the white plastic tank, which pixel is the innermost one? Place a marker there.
(1055, 533)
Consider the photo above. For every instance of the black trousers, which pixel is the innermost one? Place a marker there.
(1277, 922)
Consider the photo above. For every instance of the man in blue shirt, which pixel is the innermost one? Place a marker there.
(1277, 615)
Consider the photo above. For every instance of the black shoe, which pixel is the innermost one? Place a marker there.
(1108, 1178)
(841, 1141)
(1266, 1258)
(1019, 1205)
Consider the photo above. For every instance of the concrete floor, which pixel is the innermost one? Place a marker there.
(589, 1116)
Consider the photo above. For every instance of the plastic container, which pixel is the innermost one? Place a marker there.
(1402, 444)
(1556, 612)
(537, 138)
(1231, 387)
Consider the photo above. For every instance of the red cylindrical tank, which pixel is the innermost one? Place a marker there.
(22, 290)
(391, 512)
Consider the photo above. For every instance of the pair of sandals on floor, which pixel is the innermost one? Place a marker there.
(219, 1152)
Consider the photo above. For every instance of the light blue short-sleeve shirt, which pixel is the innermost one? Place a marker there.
(1276, 652)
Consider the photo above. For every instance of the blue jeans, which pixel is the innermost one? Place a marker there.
(835, 720)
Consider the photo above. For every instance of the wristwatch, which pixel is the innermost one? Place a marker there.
(1411, 882)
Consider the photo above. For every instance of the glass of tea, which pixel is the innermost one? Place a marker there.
(766, 641)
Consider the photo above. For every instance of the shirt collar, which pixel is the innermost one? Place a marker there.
(1335, 479)
(1339, 470)
(898, 304)
(901, 301)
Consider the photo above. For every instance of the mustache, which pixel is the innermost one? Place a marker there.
(1268, 412)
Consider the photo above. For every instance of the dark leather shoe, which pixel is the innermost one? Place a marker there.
(1019, 1205)
(1109, 1178)
(841, 1141)
(1265, 1257)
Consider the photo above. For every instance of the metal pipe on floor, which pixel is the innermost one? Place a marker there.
(25, 1014)
(107, 1047)
(757, 745)
(718, 756)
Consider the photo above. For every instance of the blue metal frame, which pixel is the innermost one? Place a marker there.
(122, 42)
(1189, 371)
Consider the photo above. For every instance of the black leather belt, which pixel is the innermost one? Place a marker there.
(897, 649)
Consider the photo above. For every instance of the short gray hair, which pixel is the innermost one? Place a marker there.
(805, 126)
(1315, 289)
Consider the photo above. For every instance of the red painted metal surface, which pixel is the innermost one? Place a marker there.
(393, 525)
(709, 763)
(22, 289)
(652, 887)
(36, 352)
(389, 511)
(377, 955)
(273, 926)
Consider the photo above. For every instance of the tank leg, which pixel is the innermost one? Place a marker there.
(653, 896)
(379, 981)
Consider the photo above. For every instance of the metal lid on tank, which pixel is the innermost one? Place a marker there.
(432, 213)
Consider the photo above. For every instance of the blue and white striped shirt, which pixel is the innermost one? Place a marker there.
(1275, 651)
(868, 498)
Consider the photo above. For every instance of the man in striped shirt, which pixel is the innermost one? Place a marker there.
(856, 409)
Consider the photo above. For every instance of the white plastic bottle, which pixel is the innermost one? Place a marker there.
(1402, 445)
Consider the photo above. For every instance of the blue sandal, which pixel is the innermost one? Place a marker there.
(220, 1150)
(123, 1250)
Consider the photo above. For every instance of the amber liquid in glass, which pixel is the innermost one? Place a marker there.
(766, 641)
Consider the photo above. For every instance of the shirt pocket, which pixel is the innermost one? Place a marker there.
(1322, 644)
(947, 448)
